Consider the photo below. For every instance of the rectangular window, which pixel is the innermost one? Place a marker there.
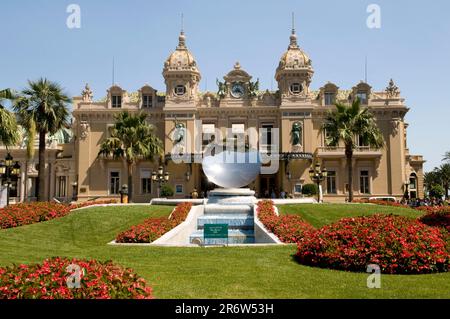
(364, 182)
(362, 96)
(62, 186)
(267, 134)
(116, 101)
(329, 98)
(238, 132)
(331, 182)
(33, 190)
(208, 131)
(109, 130)
(238, 128)
(362, 142)
(147, 100)
(14, 188)
(298, 188)
(146, 182)
(327, 139)
(114, 183)
(179, 189)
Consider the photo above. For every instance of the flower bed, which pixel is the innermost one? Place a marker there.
(90, 203)
(387, 203)
(35, 212)
(399, 245)
(379, 202)
(153, 228)
(48, 280)
(288, 228)
(436, 217)
(30, 213)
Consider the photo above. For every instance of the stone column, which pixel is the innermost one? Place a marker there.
(23, 181)
(51, 169)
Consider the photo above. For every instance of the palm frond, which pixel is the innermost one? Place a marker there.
(132, 138)
(47, 103)
(349, 121)
(9, 133)
(446, 156)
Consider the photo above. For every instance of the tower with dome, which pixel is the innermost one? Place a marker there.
(291, 117)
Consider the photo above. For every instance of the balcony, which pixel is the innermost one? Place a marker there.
(339, 152)
(415, 159)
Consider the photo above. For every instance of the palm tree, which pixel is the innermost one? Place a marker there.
(9, 133)
(132, 138)
(444, 173)
(446, 157)
(344, 125)
(42, 110)
(432, 178)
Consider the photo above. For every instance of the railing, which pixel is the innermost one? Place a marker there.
(416, 158)
(341, 149)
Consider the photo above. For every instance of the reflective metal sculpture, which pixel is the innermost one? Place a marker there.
(231, 169)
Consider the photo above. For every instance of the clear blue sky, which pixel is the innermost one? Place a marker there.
(412, 46)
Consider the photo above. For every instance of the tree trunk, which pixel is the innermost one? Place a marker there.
(349, 155)
(130, 182)
(447, 186)
(41, 173)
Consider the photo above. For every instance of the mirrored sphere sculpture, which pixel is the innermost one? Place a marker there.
(231, 169)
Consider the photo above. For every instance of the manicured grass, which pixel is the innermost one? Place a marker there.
(323, 214)
(229, 272)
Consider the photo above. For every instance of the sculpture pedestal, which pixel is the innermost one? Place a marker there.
(231, 206)
(232, 196)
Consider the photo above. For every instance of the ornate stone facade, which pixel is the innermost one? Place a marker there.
(294, 109)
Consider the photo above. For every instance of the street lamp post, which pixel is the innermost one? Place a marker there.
(406, 195)
(160, 177)
(318, 175)
(74, 191)
(9, 170)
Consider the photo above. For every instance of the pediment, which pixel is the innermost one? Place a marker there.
(237, 75)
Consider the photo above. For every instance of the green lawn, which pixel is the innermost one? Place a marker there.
(233, 272)
(320, 215)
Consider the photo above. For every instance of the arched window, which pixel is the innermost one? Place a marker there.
(328, 94)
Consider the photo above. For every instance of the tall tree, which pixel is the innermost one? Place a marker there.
(432, 178)
(42, 109)
(9, 133)
(344, 125)
(133, 139)
(446, 157)
(444, 172)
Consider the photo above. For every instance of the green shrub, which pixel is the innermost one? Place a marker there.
(310, 189)
(166, 191)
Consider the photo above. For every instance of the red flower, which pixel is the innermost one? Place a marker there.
(30, 213)
(436, 217)
(397, 244)
(288, 228)
(153, 228)
(32, 282)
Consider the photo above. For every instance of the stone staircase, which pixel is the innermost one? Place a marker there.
(228, 206)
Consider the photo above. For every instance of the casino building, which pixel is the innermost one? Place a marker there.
(75, 170)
